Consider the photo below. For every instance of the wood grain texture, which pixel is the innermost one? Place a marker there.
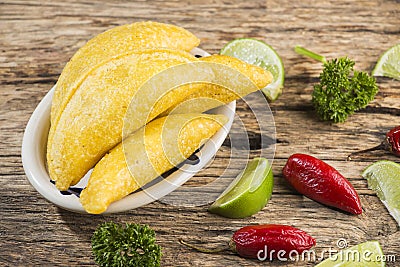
(37, 38)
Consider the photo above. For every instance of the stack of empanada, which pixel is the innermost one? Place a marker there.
(95, 91)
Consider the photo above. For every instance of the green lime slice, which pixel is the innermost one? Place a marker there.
(248, 193)
(384, 178)
(368, 254)
(389, 63)
(263, 55)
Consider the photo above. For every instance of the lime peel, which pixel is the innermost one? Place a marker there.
(259, 53)
(367, 254)
(384, 177)
(388, 64)
(248, 193)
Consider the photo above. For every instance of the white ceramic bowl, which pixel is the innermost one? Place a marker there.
(34, 162)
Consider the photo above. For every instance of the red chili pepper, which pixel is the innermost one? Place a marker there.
(266, 242)
(393, 141)
(269, 240)
(321, 182)
(391, 144)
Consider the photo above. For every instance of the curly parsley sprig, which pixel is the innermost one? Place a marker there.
(133, 245)
(339, 94)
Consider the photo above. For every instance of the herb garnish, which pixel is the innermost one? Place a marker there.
(133, 245)
(339, 94)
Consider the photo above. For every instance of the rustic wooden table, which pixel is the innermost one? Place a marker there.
(39, 37)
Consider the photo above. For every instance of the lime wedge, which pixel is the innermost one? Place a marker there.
(260, 54)
(368, 254)
(248, 193)
(389, 63)
(384, 178)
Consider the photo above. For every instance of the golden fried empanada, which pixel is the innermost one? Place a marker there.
(147, 153)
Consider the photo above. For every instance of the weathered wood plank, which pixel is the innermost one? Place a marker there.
(37, 38)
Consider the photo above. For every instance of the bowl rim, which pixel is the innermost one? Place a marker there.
(33, 153)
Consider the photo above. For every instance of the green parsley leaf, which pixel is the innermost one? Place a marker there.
(341, 90)
(133, 245)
